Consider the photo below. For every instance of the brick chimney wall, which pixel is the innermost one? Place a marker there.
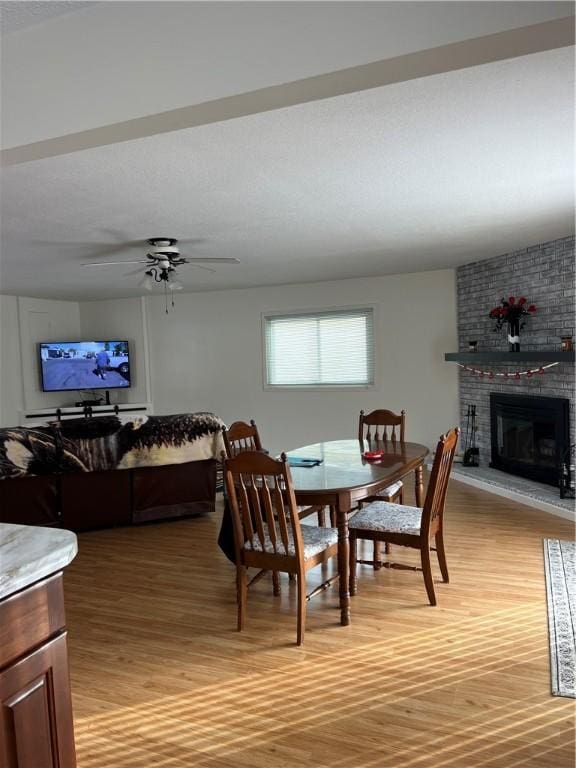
(544, 274)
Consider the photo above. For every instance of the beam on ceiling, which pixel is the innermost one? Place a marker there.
(434, 61)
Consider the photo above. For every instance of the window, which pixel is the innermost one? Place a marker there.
(320, 349)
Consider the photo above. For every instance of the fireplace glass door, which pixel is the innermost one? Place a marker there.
(528, 435)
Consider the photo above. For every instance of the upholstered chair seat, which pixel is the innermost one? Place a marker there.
(384, 516)
(315, 540)
(391, 492)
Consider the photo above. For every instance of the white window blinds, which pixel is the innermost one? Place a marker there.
(334, 348)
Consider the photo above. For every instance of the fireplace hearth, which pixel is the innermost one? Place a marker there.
(529, 435)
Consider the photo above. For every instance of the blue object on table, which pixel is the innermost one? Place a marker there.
(300, 461)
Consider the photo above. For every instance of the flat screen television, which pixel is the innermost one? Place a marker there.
(79, 365)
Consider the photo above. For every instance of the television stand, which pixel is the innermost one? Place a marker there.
(124, 411)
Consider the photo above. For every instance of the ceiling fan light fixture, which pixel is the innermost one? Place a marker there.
(147, 281)
(175, 285)
(162, 258)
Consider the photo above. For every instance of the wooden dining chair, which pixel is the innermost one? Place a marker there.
(380, 426)
(377, 428)
(267, 530)
(239, 437)
(410, 526)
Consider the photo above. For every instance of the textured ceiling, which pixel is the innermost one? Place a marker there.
(420, 175)
(17, 15)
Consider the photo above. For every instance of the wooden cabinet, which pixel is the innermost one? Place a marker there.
(36, 728)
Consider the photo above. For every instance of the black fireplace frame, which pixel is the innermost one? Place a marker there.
(558, 408)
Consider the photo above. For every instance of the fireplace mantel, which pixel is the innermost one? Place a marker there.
(529, 356)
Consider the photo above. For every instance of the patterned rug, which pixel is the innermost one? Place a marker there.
(560, 565)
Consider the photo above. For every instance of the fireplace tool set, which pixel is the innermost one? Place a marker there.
(567, 473)
(471, 452)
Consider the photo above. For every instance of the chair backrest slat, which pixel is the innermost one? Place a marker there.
(433, 512)
(283, 522)
(262, 502)
(240, 437)
(244, 507)
(266, 501)
(381, 418)
(255, 508)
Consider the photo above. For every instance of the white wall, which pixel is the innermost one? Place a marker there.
(44, 320)
(207, 355)
(124, 320)
(11, 393)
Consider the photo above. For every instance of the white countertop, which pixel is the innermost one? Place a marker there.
(29, 553)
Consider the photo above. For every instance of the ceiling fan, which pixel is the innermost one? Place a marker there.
(162, 258)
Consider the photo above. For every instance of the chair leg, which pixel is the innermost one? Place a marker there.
(352, 581)
(321, 517)
(301, 608)
(241, 594)
(275, 583)
(441, 552)
(377, 561)
(427, 570)
(333, 520)
(398, 499)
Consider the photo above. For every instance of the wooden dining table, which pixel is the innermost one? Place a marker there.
(345, 477)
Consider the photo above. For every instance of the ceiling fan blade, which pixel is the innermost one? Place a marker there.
(113, 263)
(209, 260)
(139, 271)
(91, 249)
(206, 269)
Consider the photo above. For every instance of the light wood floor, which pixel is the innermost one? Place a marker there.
(161, 678)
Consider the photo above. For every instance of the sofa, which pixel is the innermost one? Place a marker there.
(97, 472)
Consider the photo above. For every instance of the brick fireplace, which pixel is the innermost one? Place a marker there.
(545, 275)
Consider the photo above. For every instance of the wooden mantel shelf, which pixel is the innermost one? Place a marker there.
(529, 356)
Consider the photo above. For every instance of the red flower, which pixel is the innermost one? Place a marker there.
(511, 309)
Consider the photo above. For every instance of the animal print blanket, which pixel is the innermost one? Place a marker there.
(87, 445)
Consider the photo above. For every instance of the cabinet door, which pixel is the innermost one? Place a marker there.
(36, 726)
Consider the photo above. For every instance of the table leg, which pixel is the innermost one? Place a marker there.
(419, 486)
(342, 509)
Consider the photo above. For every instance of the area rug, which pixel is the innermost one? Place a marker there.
(560, 565)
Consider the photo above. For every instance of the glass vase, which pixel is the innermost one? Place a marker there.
(514, 335)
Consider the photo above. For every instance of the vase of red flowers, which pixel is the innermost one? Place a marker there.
(512, 313)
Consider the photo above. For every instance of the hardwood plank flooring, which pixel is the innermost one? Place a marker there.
(161, 678)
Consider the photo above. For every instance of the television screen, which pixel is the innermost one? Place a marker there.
(84, 365)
